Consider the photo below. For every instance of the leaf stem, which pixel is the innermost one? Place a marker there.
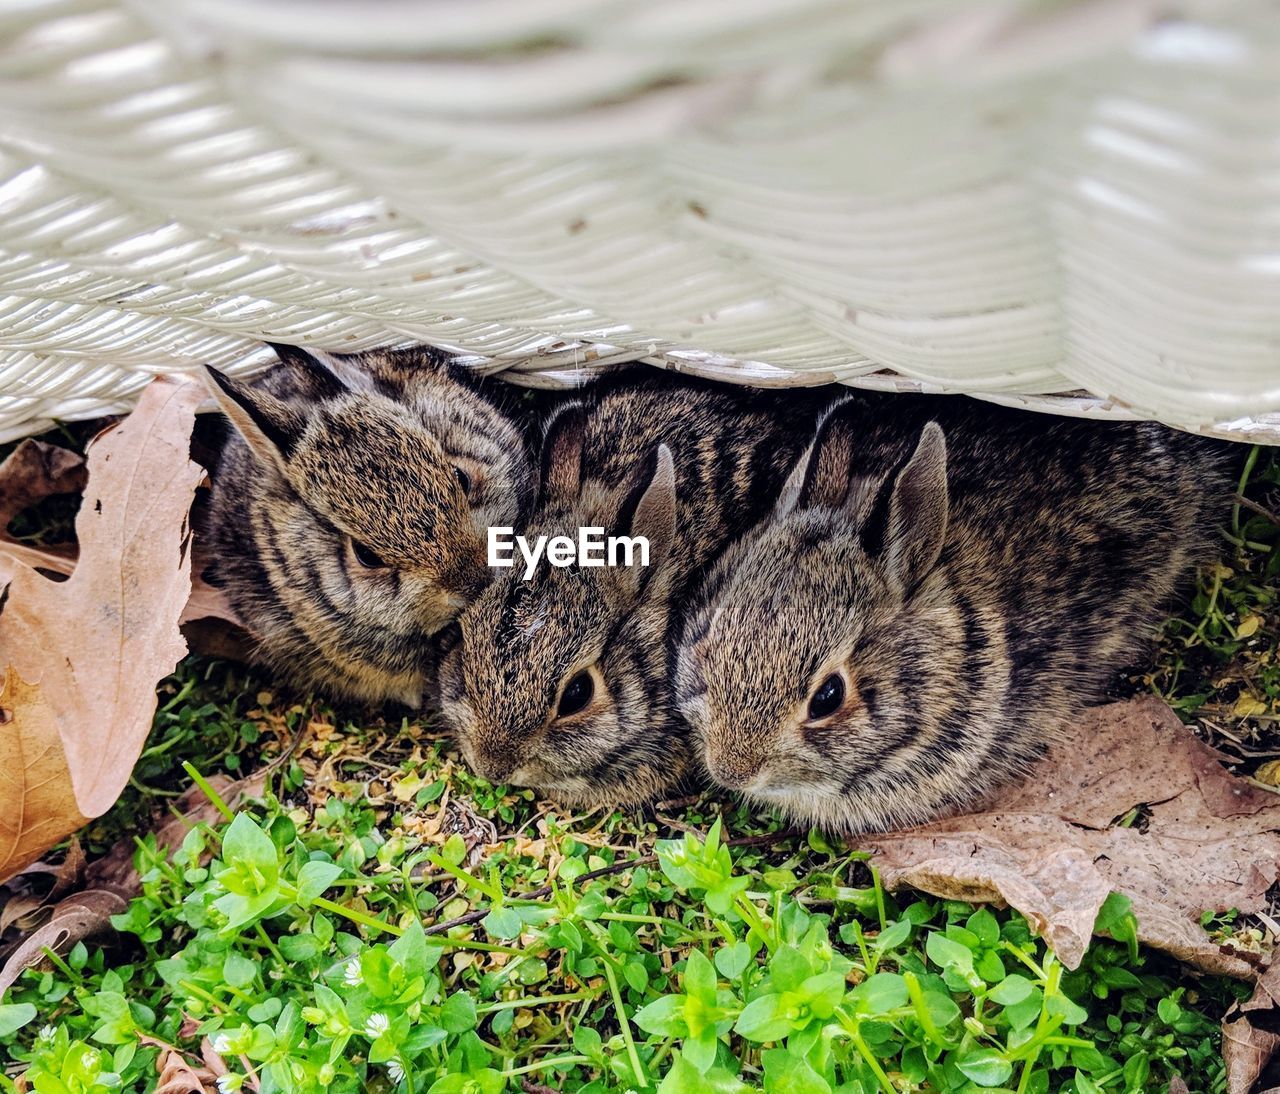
(922, 1009)
(624, 1023)
(540, 1065)
(207, 790)
(533, 1001)
(468, 879)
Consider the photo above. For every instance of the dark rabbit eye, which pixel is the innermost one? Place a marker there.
(577, 694)
(464, 480)
(828, 698)
(367, 558)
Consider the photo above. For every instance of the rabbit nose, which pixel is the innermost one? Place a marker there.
(735, 772)
(495, 769)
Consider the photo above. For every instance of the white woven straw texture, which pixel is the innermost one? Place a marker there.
(1071, 205)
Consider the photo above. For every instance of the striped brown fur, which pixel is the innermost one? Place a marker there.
(339, 461)
(973, 583)
(523, 643)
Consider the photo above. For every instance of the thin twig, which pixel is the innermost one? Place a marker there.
(1261, 510)
(679, 826)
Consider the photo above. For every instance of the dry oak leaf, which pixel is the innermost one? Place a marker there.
(1249, 1034)
(1246, 1050)
(1049, 846)
(34, 471)
(81, 657)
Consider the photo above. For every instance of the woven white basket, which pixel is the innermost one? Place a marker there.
(1073, 206)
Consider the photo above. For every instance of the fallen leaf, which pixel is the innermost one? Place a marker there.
(1049, 846)
(208, 602)
(1266, 992)
(1246, 1050)
(78, 916)
(35, 781)
(81, 657)
(177, 1075)
(68, 874)
(1249, 1040)
(24, 910)
(34, 471)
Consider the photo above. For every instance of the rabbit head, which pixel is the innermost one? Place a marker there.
(559, 682)
(364, 485)
(818, 668)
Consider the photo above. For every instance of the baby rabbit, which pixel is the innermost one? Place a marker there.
(938, 590)
(562, 682)
(348, 512)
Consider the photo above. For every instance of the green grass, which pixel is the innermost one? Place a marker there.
(356, 931)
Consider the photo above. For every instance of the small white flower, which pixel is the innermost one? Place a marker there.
(376, 1026)
(351, 973)
(222, 1043)
(228, 1084)
(89, 1060)
(47, 1033)
(396, 1070)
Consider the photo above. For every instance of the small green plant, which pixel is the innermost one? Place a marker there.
(330, 959)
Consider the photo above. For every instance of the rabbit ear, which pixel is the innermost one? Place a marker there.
(823, 476)
(913, 525)
(651, 513)
(328, 375)
(270, 426)
(561, 473)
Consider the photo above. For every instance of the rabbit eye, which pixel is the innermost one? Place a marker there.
(577, 694)
(828, 698)
(464, 480)
(367, 558)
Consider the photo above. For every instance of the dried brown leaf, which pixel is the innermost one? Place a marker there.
(1246, 1050)
(177, 1074)
(1050, 846)
(1249, 1042)
(34, 471)
(78, 916)
(209, 622)
(26, 910)
(35, 783)
(82, 657)
(22, 911)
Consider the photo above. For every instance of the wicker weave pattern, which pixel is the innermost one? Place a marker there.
(1009, 199)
